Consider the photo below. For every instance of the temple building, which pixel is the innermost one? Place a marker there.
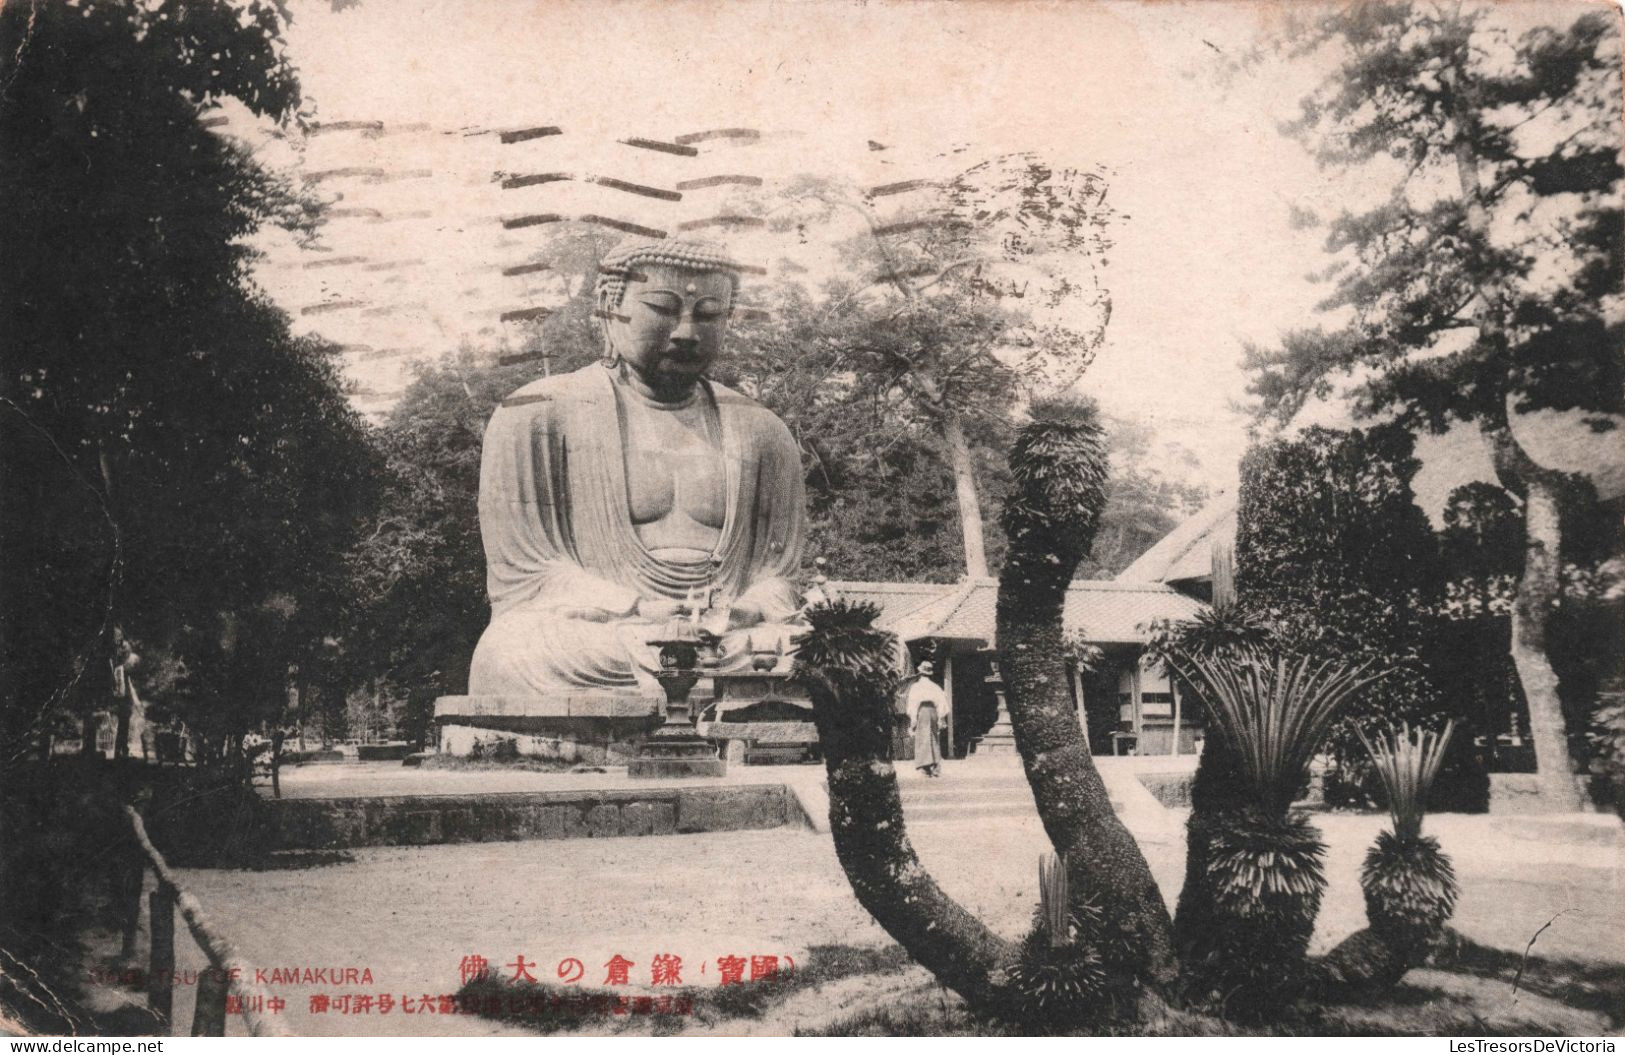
(1125, 704)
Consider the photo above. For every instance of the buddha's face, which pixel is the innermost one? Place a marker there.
(670, 325)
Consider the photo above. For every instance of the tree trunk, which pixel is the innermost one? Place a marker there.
(1538, 586)
(88, 727)
(302, 696)
(1538, 593)
(1050, 518)
(125, 711)
(853, 713)
(970, 506)
(1104, 863)
(1216, 792)
(277, 738)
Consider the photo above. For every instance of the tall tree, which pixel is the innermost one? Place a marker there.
(838, 364)
(1142, 503)
(1059, 466)
(971, 292)
(1489, 283)
(225, 464)
(416, 577)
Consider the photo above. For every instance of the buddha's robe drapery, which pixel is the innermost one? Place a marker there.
(564, 566)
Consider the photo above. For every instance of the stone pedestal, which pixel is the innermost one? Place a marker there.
(677, 749)
(999, 740)
(586, 728)
(677, 754)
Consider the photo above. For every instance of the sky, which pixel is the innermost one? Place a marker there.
(1206, 256)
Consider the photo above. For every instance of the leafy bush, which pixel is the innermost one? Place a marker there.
(497, 749)
(1607, 741)
(1407, 762)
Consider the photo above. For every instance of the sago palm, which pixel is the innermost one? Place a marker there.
(1410, 886)
(1274, 712)
(1263, 880)
(1059, 980)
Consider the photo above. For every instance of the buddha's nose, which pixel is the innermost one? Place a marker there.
(685, 336)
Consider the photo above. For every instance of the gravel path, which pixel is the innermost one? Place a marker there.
(411, 914)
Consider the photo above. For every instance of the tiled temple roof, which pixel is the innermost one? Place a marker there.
(1099, 611)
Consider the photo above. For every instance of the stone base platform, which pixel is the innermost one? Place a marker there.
(423, 820)
(589, 727)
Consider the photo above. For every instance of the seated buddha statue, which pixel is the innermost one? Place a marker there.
(617, 497)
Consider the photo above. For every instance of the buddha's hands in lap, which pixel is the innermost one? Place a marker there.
(592, 614)
(743, 614)
(660, 609)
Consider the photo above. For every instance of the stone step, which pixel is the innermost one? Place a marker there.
(944, 810)
(949, 812)
(937, 792)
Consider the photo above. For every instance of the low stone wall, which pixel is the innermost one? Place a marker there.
(423, 820)
(1173, 790)
(1519, 793)
(392, 752)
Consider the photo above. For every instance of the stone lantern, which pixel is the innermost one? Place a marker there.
(676, 749)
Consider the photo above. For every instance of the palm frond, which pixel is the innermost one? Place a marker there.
(1407, 761)
(1274, 712)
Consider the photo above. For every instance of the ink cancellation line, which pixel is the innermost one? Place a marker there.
(722, 221)
(332, 306)
(905, 226)
(901, 274)
(524, 314)
(324, 127)
(537, 219)
(368, 174)
(744, 269)
(720, 181)
(522, 135)
(742, 134)
(536, 179)
(746, 314)
(332, 261)
(361, 353)
(664, 148)
(903, 187)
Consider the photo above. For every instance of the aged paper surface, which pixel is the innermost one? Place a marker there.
(576, 355)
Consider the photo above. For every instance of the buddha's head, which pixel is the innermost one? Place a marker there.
(664, 308)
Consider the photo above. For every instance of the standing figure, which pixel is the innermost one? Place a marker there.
(926, 703)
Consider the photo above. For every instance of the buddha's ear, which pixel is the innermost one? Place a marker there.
(605, 318)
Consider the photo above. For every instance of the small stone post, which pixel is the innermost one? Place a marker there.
(209, 1020)
(161, 965)
(132, 875)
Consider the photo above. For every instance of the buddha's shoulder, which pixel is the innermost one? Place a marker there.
(580, 387)
(744, 408)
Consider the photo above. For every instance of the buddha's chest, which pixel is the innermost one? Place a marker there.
(675, 472)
